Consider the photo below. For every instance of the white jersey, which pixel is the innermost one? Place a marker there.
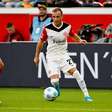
(57, 39)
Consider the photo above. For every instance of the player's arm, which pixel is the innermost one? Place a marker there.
(40, 46)
(76, 37)
(38, 50)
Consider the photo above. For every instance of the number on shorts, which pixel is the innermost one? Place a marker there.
(70, 61)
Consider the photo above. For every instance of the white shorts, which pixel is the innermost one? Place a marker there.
(64, 64)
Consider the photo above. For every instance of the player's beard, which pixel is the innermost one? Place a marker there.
(58, 24)
(42, 17)
(42, 14)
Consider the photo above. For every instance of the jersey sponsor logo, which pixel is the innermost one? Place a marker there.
(59, 41)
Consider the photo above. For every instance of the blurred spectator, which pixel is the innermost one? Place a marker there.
(72, 3)
(26, 4)
(56, 3)
(39, 21)
(98, 33)
(67, 3)
(50, 3)
(101, 1)
(84, 3)
(91, 33)
(97, 3)
(9, 3)
(108, 3)
(2, 3)
(108, 31)
(13, 35)
(59, 3)
(108, 35)
(35, 1)
(91, 3)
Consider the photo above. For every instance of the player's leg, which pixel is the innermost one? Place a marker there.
(55, 82)
(70, 67)
(1, 65)
(75, 73)
(54, 74)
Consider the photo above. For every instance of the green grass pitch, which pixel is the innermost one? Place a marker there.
(71, 100)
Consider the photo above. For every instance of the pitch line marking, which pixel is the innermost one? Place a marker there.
(56, 109)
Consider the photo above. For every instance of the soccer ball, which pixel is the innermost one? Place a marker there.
(50, 93)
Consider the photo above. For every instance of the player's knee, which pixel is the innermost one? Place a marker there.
(71, 71)
(55, 76)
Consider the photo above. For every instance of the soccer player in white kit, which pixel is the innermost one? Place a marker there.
(58, 59)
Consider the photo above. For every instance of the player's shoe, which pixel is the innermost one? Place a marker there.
(58, 93)
(58, 89)
(88, 99)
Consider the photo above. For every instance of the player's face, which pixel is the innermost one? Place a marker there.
(57, 17)
(42, 11)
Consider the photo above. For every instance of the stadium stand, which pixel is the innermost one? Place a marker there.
(22, 18)
(57, 3)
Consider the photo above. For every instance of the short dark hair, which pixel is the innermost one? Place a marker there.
(9, 25)
(57, 9)
(43, 4)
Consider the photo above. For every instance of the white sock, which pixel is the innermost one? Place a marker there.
(54, 81)
(81, 83)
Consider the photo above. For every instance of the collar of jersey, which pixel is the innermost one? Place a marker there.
(56, 26)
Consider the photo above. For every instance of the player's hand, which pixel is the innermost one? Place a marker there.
(82, 41)
(36, 60)
(1, 65)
